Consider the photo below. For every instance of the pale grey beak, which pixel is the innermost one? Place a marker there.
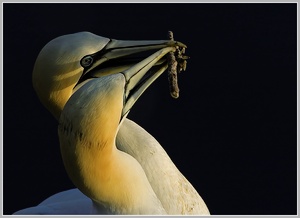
(141, 62)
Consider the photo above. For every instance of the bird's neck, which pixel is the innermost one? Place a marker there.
(87, 132)
(108, 176)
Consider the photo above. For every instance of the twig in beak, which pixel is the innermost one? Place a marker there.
(176, 63)
(172, 71)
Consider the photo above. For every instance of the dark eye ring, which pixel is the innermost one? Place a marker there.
(86, 61)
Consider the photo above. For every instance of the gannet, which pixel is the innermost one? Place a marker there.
(89, 83)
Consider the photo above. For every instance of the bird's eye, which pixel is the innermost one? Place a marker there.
(86, 61)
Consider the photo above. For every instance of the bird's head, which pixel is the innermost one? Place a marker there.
(66, 63)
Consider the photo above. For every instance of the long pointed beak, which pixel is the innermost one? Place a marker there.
(141, 62)
(121, 48)
(137, 83)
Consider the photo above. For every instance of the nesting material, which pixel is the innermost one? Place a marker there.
(176, 63)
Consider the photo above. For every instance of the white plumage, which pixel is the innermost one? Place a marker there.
(111, 159)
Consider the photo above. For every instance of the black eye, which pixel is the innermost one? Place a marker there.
(86, 61)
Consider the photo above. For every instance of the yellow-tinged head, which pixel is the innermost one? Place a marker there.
(57, 68)
(67, 62)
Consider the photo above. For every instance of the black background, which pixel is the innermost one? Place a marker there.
(232, 132)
